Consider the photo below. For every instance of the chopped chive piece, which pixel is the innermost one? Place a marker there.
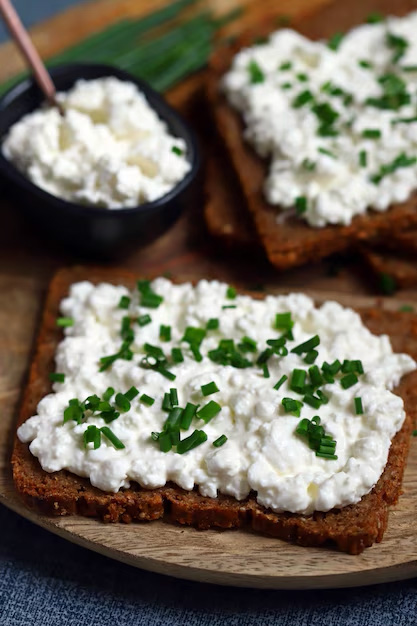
(212, 324)
(375, 18)
(247, 344)
(409, 68)
(155, 351)
(303, 78)
(196, 353)
(166, 373)
(365, 64)
(300, 205)
(187, 415)
(311, 356)
(298, 380)
(176, 150)
(286, 86)
(363, 158)
(323, 398)
(177, 355)
(174, 419)
(165, 443)
(265, 370)
(220, 441)
(92, 435)
(73, 412)
(335, 41)
(108, 394)
(328, 377)
(194, 336)
(306, 346)
(229, 306)
(131, 393)
(209, 388)
(256, 75)
(64, 322)
(283, 321)
(151, 300)
(286, 65)
(398, 44)
(196, 439)
(358, 406)
(56, 377)
(144, 319)
(109, 416)
(280, 382)
(175, 437)
(145, 399)
(303, 98)
(371, 133)
(406, 308)
(315, 376)
(308, 165)
(209, 411)
(327, 152)
(292, 406)
(166, 402)
(165, 333)
(414, 433)
(122, 402)
(312, 401)
(231, 293)
(173, 396)
(402, 160)
(331, 457)
(349, 380)
(404, 120)
(264, 356)
(387, 283)
(109, 434)
(124, 302)
(332, 368)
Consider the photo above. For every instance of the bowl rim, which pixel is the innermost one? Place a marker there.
(156, 100)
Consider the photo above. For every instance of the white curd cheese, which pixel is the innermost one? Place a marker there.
(263, 452)
(362, 151)
(110, 149)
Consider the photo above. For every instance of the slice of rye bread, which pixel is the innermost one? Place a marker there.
(287, 239)
(351, 529)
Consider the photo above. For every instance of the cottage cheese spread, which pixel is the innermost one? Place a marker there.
(339, 125)
(109, 150)
(263, 453)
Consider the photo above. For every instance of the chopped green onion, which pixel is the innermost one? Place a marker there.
(187, 415)
(387, 283)
(283, 321)
(165, 333)
(56, 377)
(402, 160)
(375, 18)
(311, 356)
(280, 382)
(330, 457)
(292, 406)
(166, 373)
(109, 434)
(256, 75)
(147, 399)
(363, 158)
(229, 306)
(298, 380)
(365, 64)
(110, 415)
(231, 293)
(151, 300)
(300, 205)
(414, 433)
(323, 398)
(335, 41)
(406, 308)
(212, 324)
(303, 98)
(286, 86)
(306, 346)
(404, 120)
(349, 380)
(177, 355)
(247, 344)
(64, 322)
(358, 406)
(308, 165)
(332, 368)
(312, 401)
(303, 78)
(194, 336)
(154, 351)
(92, 435)
(131, 393)
(166, 402)
(209, 388)
(124, 302)
(173, 396)
(371, 133)
(220, 441)
(196, 439)
(144, 319)
(165, 443)
(122, 402)
(327, 152)
(210, 410)
(108, 394)
(73, 412)
(265, 370)
(409, 68)
(285, 66)
(177, 150)
(174, 419)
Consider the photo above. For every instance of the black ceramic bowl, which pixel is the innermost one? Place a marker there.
(95, 231)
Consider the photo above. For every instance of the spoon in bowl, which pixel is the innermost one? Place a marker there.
(32, 57)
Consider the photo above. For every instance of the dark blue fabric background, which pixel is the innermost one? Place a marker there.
(46, 581)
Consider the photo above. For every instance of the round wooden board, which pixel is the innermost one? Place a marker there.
(237, 557)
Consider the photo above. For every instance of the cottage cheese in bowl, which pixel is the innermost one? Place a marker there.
(110, 149)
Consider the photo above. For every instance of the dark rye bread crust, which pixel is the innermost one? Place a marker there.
(350, 529)
(288, 240)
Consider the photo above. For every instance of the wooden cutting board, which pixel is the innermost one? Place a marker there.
(26, 265)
